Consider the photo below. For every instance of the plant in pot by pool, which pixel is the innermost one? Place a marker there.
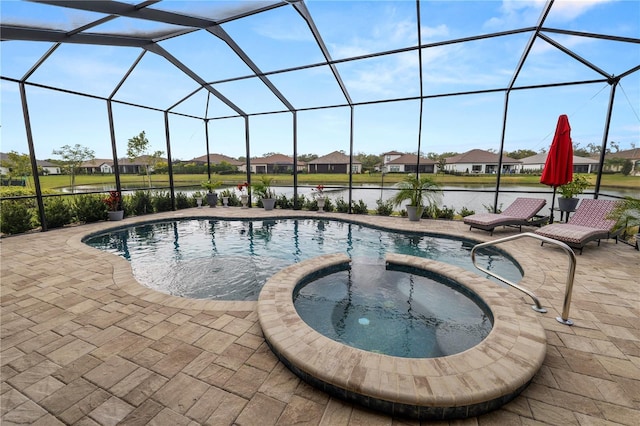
(212, 196)
(114, 205)
(263, 190)
(244, 198)
(419, 190)
(567, 201)
(318, 195)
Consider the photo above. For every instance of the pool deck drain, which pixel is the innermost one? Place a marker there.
(83, 343)
(466, 384)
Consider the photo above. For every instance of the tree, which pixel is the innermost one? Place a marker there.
(521, 153)
(307, 157)
(138, 148)
(17, 165)
(442, 162)
(73, 157)
(627, 166)
(369, 161)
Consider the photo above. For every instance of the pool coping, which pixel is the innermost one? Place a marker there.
(469, 383)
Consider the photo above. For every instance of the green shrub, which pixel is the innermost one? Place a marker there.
(385, 208)
(161, 201)
(342, 206)
(329, 206)
(359, 208)
(234, 200)
(183, 201)
(15, 217)
(57, 212)
(464, 212)
(283, 202)
(311, 205)
(89, 208)
(444, 213)
(138, 203)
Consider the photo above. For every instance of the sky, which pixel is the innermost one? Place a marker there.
(280, 39)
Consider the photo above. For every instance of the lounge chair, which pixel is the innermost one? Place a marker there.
(521, 212)
(589, 222)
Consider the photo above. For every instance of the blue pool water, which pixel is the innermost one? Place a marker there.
(412, 314)
(232, 259)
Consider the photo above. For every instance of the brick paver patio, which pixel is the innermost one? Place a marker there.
(83, 343)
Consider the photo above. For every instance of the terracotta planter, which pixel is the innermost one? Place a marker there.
(116, 215)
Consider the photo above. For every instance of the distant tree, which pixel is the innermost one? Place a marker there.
(433, 156)
(369, 161)
(591, 147)
(72, 159)
(580, 152)
(447, 154)
(269, 154)
(521, 153)
(615, 164)
(223, 167)
(17, 164)
(307, 157)
(627, 166)
(138, 148)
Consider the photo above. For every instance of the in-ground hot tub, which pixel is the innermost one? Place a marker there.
(469, 383)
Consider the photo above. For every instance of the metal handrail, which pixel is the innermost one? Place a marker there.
(570, 276)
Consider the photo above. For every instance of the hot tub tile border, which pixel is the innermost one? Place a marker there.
(465, 384)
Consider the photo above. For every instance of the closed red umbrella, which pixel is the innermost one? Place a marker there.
(558, 169)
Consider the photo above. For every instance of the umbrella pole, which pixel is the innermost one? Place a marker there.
(553, 200)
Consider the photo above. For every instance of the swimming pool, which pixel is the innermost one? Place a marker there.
(232, 259)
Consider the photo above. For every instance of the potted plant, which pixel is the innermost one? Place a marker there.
(198, 197)
(568, 201)
(263, 190)
(418, 190)
(244, 198)
(627, 217)
(212, 196)
(114, 206)
(318, 195)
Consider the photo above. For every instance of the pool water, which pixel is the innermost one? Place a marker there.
(392, 312)
(232, 259)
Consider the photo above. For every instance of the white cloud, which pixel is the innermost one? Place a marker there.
(567, 10)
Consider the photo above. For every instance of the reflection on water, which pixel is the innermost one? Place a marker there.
(231, 260)
(392, 312)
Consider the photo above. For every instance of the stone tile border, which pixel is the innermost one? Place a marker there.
(467, 384)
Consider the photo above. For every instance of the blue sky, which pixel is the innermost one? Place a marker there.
(280, 39)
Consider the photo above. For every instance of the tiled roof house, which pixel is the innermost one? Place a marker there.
(276, 163)
(480, 161)
(407, 163)
(628, 154)
(335, 162)
(580, 164)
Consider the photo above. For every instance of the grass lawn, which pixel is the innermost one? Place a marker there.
(61, 181)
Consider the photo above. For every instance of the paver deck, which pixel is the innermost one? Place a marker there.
(83, 343)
